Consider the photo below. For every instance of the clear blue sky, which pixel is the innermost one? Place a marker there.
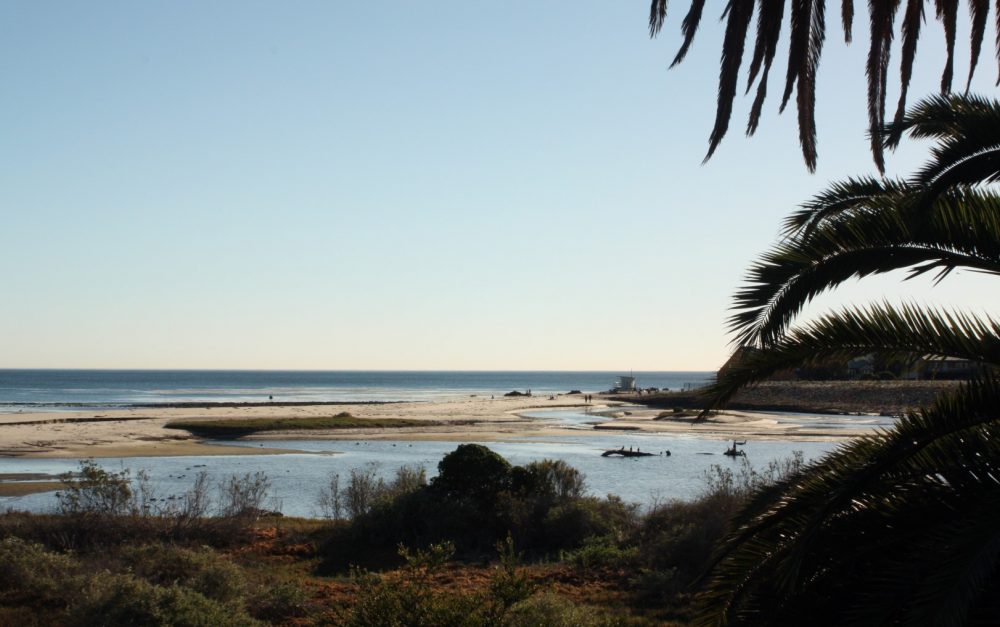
(446, 185)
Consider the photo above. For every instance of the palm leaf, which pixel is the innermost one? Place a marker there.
(904, 331)
(740, 12)
(996, 17)
(657, 16)
(806, 92)
(798, 46)
(978, 10)
(912, 19)
(961, 229)
(842, 197)
(847, 18)
(827, 527)
(947, 12)
(689, 27)
(882, 15)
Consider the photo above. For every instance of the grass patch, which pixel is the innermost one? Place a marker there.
(238, 427)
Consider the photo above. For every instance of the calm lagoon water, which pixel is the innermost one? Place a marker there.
(297, 478)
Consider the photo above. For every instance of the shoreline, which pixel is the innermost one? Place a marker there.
(139, 431)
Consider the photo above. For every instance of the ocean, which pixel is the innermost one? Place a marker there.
(54, 390)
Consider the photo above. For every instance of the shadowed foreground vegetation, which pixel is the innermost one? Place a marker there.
(239, 427)
(483, 543)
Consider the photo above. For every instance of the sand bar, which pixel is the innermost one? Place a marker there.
(140, 431)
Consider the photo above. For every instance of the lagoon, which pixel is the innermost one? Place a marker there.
(297, 478)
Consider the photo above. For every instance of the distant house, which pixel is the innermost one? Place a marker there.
(861, 367)
(949, 368)
(869, 367)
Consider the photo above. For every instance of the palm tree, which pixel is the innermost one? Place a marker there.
(807, 33)
(899, 527)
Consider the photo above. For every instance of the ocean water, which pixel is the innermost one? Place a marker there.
(37, 390)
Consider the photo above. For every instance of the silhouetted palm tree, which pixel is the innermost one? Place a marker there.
(807, 32)
(899, 527)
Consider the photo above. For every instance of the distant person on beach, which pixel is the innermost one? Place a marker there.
(270, 397)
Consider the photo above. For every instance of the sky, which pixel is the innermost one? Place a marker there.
(444, 185)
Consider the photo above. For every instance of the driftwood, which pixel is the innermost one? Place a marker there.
(623, 453)
(735, 452)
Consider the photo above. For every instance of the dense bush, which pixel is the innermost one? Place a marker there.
(126, 601)
(472, 472)
(29, 574)
(477, 499)
(156, 585)
(95, 491)
(204, 570)
(551, 610)
(411, 597)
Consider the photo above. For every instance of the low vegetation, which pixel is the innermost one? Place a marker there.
(239, 427)
(482, 543)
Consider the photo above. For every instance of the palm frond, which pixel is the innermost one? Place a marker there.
(740, 13)
(806, 37)
(847, 18)
(882, 14)
(769, 17)
(961, 229)
(996, 17)
(947, 12)
(978, 12)
(657, 16)
(798, 46)
(842, 197)
(689, 27)
(912, 19)
(805, 95)
(770, 14)
(903, 331)
(835, 532)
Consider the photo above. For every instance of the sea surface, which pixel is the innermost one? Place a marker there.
(54, 390)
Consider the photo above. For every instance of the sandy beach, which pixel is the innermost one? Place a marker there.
(141, 431)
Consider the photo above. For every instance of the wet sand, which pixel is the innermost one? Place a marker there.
(141, 431)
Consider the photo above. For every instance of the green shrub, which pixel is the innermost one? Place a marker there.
(550, 610)
(204, 571)
(508, 584)
(242, 497)
(473, 471)
(569, 524)
(126, 601)
(409, 598)
(549, 479)
(95, 491)
(30, 574)
(278, 602)
(603, 552)
(655, 587)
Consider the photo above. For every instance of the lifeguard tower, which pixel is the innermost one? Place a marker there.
(624, 384)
